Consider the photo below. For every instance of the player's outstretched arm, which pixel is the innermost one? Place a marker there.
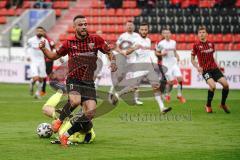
(49, 54)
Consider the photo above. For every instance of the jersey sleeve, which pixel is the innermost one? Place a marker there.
(119, 40)
(103, 45)
(159, 47)
(194, 50)
(63, 49)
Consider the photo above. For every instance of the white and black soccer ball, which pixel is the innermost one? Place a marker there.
(44, 130)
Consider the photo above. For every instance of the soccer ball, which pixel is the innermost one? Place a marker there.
(44, 130)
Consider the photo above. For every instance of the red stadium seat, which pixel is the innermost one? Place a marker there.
(190, 37)
(218, 38)
(120, 28)
(220, 46)
(229, 46)
(97, 4)
(86, 12)
(70, 29)
(3, 20)
(27, 4)
(155, 37)
(180, 38)
(129, 4)
(120, 12)
(206, 3)
(95, 12)
(11, 12)
(111, 12)
(3, 4)
(103, 12)
(61, 5)
(104, 20)
(236, 37)
(173, 36)
(19, 11)
(181, 46)
(237, 4)
(227, 38)
(210, 37)
(236, 46)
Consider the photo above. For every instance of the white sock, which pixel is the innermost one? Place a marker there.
(31, 83)
(97, 83)
(39, 87)
(136, 94)
(179, 91)
(159, 100)
(111, 89)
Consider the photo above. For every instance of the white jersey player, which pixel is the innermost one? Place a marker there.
(124, 43)
(37, 61)
(143, 69)
(167, 49)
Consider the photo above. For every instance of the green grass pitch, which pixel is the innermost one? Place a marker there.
(126, 132)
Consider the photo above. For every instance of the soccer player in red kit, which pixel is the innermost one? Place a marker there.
(208, 67)
(82, 51)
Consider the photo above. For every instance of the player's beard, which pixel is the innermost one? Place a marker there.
(39, 35)
(82, 35)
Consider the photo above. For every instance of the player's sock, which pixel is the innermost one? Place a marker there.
(224, 96)
(111, 89)
(44, 85)
(66, 111)
(168, 89)
(32, 82)
(54, 99)
(209, 98)
(136, 94)
(64, 127)
(97, 83)
(31, 86)
(158, 98)
(37, 93)
(81, 123)
(179, 89)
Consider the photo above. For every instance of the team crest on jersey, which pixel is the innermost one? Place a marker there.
(201, 47)
(210, 44)
(91, 45)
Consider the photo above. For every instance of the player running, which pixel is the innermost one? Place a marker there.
(143, 69)
(37, 63)
(166, 48)
(125, 42)
(82, 52)
(207, 66)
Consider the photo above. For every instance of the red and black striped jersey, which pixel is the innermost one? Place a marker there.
(82, 55)
(205, 52)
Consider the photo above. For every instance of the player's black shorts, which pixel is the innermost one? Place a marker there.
(85, 88)
(215, 74)
(49, 66)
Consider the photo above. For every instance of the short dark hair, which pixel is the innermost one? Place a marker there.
(167, 28)
(144, 24)
(78, 16)
(129, 21)
(40, 27)
(202, 27)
